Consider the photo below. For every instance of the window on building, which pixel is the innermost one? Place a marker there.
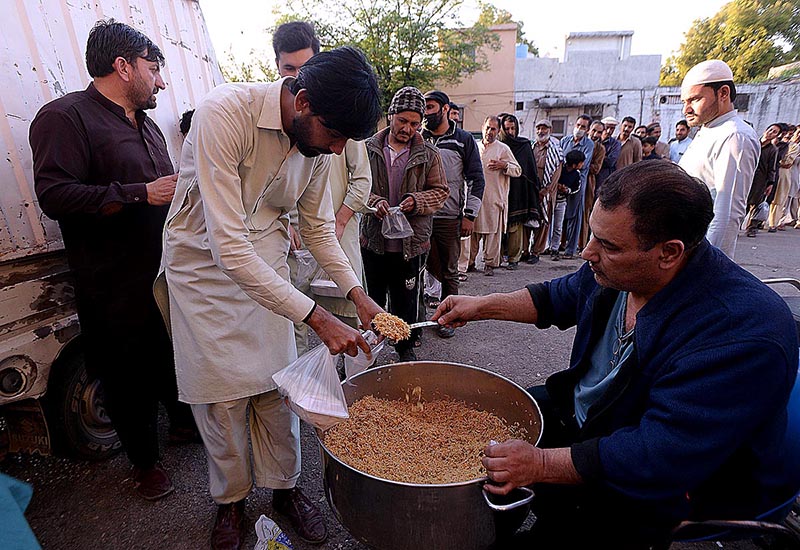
(742, 102)
(559, 126)
(520, 106)
(594, 110)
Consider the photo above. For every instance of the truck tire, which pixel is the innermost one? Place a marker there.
(78, 423)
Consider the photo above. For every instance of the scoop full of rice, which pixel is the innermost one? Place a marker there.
(391, 326)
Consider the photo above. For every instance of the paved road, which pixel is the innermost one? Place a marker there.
(80, 505)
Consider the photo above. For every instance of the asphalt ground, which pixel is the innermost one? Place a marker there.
(79, 505)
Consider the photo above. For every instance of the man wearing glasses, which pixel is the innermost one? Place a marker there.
(674, 405)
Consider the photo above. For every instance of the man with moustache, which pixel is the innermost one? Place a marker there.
(549, 160)
(407, 173)
(724, 152)
(102, 170)
(634, 442)
(255, 152)
(678, 146)
(456, 218)
(295, 43)
(630, 150)
(654, 131)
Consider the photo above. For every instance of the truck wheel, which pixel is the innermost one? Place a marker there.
(78, 423)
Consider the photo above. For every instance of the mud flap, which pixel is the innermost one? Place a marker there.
(23, 428)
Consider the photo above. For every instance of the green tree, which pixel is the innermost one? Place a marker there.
(255, 69)
(409, 42)
(492, 15)
(750, 35)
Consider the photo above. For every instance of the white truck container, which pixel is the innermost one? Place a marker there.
(46, 398)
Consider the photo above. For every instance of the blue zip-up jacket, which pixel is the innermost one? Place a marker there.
(694, 426)
(462, 164)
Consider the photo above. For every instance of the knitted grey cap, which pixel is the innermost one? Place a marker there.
(407, 99)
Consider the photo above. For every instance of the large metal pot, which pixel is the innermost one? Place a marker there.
(390, 515)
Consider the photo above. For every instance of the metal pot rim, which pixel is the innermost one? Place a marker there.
(317, 432)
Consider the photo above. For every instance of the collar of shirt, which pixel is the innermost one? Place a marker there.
(394, 154)
(112, 107)
(270, 116)
(721, 119)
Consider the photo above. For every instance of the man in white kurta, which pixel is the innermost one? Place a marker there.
(225, 258)
(499, 166)
(725, 151)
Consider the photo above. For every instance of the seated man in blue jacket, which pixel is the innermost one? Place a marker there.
(674, 405)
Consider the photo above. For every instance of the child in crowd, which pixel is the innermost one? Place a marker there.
(649, 148)
(568, 184)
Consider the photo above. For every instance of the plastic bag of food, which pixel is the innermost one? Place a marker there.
(270, 536)
(395, 225)
(312, 388)
(322, 285)
(761, 213)
(363, 361)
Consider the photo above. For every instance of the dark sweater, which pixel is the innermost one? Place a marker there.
(695, 424)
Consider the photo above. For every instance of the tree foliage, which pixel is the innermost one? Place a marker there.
(255, 69)
(492, 15)
(409, 42)
(750, 35)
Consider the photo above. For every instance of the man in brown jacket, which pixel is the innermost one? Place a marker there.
(407, 174)
(631, 150)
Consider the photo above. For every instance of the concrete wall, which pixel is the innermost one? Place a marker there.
(617, 42)
(488, 92)
(597, 83)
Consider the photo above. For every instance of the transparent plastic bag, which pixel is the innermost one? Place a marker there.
(312, 388)
(761, 213)
(322, 285)
(307, 268)
(395, 225)
(363, 361)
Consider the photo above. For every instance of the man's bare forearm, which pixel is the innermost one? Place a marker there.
(512, 306)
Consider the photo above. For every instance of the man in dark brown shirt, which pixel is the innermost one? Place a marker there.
(102, 170)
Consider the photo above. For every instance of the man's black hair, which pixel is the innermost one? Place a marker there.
(597, 121)
(629, 119)
(666, 202)
(454, 107)
(682, 122)
(574, 157)
(186, 122)
(585, 117)
(717, 85)
(495, 118)
(343, 90)
(651, 140)
(109, 40)
(293, 36)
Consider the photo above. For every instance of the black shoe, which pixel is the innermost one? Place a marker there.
(533, 260)
(229, 527)
(445, 332)
(488, 271)
(512, 266)
(306, 519)
(151, 483)
(471, 268)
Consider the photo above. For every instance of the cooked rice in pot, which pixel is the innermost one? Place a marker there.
(395, 440)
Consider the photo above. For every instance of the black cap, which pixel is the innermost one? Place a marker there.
(439, 97)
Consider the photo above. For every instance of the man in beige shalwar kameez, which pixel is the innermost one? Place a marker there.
(250, 157)
(499, 166)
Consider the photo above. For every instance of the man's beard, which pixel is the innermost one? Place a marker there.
(433, 120)
(142, 97)
(301, 128)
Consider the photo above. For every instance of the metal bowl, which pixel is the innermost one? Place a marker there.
(390, 515)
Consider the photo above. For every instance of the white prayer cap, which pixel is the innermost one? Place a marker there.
(713, 70)
(610, 120)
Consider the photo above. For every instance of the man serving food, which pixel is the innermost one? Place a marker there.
(674, 405)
